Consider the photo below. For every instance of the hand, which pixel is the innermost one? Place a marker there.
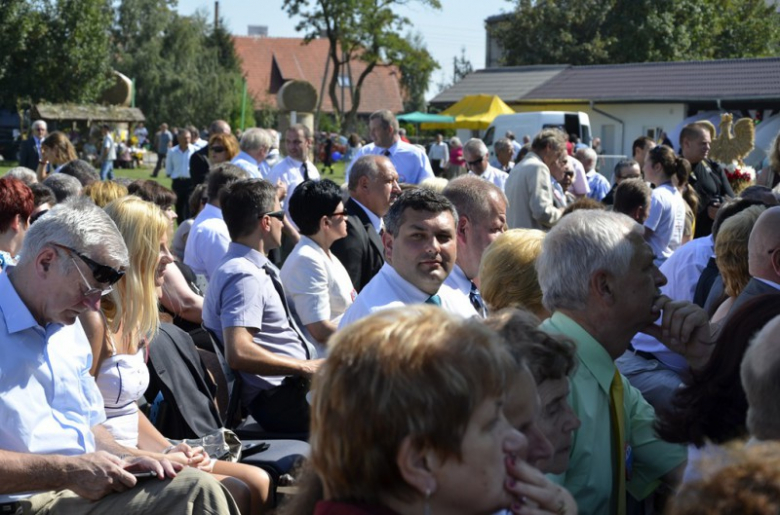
(163, 468)
(535, 494)
(685, 329)
(712, 210)
(190, 456)
(95, 475)
(281, 190)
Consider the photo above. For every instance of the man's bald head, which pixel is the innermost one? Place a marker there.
(760, 373)
(764, 246)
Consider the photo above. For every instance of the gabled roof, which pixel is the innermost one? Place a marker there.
(509, 83)
(270, 62)
(685, 81)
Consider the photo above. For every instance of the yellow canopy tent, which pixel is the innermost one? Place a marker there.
(474, 112)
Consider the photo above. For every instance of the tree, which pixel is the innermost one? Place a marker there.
(416, 66)
(461, 66)
(54, 50)
(368, 30)
(583, 32)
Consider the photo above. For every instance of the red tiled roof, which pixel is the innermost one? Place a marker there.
(270, 62)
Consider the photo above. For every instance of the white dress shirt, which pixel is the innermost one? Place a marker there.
(290, 172)
(375, 220)
(493, 175)
(461, 284)
(208, 242)
(250, 165)
(410, 162)
(177, 162)
(389, 290)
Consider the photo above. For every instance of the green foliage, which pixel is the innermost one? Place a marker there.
(583, 32)
(461, 66)
(54, 50)
(185, 71)
(416, 66)
(369, 30)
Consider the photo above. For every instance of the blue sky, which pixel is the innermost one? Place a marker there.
(460, 23)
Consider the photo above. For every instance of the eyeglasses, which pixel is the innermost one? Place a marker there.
(568, 173)
(475, 162)
(217, 150)
(91, 291)
(37, 215)
(102, 273)
(279, 215)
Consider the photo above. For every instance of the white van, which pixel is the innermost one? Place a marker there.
(521, 124)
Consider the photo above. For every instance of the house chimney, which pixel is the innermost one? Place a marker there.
(216, 15)
(260, 31)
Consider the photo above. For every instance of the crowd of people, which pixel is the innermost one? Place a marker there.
(451, 333)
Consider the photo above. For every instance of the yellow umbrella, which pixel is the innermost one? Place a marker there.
(475, 112)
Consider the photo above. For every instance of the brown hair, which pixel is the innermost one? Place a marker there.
(228, 141)
(63, 149)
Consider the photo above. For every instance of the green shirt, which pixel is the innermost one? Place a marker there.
(589, 477)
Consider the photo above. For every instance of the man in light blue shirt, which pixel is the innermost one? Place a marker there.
(255, 144)
(54, 454)
(410, 162)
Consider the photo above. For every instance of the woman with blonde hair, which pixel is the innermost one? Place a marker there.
(120, 339)
(507, 273)
(222, 148)
(56, 150)
(427, 389)
(103, 192)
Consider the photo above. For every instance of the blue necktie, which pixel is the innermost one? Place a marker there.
(476, 300)
(433, 299)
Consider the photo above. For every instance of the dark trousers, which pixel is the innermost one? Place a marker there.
(283, 409)
(183, 189)
(160, 164)
(438, 171)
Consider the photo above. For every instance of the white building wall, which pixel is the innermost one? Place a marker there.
(637, 120)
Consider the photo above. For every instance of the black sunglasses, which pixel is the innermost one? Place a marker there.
(279, 215)
(475, 162)
(217, 150)
(102, 273)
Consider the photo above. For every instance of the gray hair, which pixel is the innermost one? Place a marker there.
(364, 166)
(552, 138)
(455, 141)
(387, 118)
(36, 123)
(587, 155)
(80, 225)
(24, 174)
(418, 199)
(475, 147)
(623, 164)
(255, 138)
(502, 145)
(64, 186)
(471, 196)
(580, 244)
(759, 371)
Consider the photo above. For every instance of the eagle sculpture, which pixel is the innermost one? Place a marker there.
(733, 147)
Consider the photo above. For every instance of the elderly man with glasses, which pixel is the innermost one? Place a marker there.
(475, 153)
(54, 454)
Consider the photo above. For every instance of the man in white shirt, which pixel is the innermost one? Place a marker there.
(296, 167)
(475, 153)
(504, 155)
(177, 167)
(141, 133)
(197, 141)
(255, 144)
(439, 154)
(107, 154)
(481, 208)
(420, 252)
(411, 163)
(209, 238)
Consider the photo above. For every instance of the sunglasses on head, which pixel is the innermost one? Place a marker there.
(102, 273)
(279, 215)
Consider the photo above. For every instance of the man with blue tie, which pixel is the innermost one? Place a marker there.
(410, 162)
(246, 307)
(30, 151)
(420, 252)
(481, 207)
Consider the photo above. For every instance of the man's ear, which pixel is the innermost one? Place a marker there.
(387, 241)
(417, 466)
(463, 226)
(45, 261)
(602, 285)
(363, 183)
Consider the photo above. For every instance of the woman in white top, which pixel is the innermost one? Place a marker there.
(317, 284)
(119, 334)
(666, 223)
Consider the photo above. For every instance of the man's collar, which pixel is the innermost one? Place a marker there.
(372, 217)
(412, 291)
(591, 353)
(252, 255)
(16, 314)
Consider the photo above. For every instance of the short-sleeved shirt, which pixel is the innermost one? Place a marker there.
(589, 477)
(493, 175)
(241, 294)
(207, 243)
(599, 185)
(317, 284)
(667, 220)
(163, 140)
(48, 400)
(410, 162)
(109, 147)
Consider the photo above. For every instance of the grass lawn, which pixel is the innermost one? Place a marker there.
(145, 173)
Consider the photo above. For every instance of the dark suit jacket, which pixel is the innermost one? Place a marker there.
(199, 165)
(361, 252)
(753, 289)
(28, 154)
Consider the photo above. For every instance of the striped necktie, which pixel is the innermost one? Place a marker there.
(476, 300)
